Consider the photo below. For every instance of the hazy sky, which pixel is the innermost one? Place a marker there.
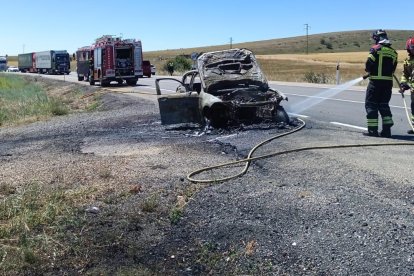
(38, 25)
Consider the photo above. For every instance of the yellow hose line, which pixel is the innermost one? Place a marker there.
(249, 159)
(405, 103)
(407, 113)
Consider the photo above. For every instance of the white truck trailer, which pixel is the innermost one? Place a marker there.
(52, 62)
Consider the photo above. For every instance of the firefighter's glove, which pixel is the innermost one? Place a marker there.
(404, 86)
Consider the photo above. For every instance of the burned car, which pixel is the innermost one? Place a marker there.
(227, 88)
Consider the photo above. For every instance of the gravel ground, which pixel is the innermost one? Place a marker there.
(318, 212)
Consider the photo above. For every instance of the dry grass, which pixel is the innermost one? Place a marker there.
(344, 58)
(292, 68)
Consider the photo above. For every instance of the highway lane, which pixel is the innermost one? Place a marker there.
(345, 109)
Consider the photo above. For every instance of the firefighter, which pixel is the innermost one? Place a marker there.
(380, 66)
(407, 78)
(170, 67)
(90, 67)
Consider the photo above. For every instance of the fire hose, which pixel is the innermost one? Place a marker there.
(250, 157)
(405, 103)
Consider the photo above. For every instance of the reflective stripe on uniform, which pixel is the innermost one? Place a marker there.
(384, 52)
(380, 78)
(372, 122)
(387, 120)
(371, 56)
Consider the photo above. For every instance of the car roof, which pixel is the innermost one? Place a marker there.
(229, 69)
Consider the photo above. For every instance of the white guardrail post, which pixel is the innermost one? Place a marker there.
(338, 74)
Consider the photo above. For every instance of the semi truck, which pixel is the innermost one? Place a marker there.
(46, 62)
(52, 62)
(110, 59)
(3, 64)
(26, 62)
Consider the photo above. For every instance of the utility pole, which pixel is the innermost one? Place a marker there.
(307, 27)
(231, 43)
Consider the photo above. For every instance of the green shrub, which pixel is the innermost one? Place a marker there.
(175, 215)
(179, 63)
(316, 78)
(329, 45)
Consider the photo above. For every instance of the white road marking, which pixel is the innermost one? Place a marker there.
(333, 99)
(347, 125)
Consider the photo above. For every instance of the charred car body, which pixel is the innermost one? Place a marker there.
(227, 88)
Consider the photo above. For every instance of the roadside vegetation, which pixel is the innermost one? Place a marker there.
(24, 99)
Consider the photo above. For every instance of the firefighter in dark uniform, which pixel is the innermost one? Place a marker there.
(380, 65)
(407, 77)
(90, 75)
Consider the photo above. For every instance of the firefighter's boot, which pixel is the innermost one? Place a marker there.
(372, 131)
(386, 131)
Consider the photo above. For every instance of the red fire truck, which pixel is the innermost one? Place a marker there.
(110, 59)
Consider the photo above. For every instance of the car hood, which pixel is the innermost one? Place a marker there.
(230, 69)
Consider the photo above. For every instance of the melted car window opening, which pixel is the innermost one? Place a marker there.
(231, 68)
(243, 87)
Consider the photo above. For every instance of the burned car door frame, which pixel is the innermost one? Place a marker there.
(183, 106)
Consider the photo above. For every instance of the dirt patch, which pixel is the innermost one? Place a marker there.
(121, 173)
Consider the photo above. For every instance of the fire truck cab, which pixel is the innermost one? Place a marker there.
(112, 59)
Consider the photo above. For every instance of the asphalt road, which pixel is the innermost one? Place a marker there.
(345, 109)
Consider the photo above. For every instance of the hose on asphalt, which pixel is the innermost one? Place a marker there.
(249, 158)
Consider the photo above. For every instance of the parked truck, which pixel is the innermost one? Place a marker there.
(110, 59)
(52, 62)
(26, 62)
(3, 64)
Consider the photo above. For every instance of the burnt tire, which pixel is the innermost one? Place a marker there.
(281, 115)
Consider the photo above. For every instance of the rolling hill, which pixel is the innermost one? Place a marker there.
(350, 41)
